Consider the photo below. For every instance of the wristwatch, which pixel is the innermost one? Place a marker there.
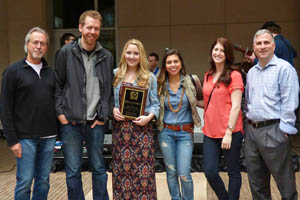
(230, 127)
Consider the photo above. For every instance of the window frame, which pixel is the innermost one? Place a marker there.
(56, 33)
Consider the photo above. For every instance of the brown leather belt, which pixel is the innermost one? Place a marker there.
(259, 124)
(184, 127)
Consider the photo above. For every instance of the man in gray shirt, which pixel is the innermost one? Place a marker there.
(84, 100)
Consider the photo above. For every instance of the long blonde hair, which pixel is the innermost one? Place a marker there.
(143, 73)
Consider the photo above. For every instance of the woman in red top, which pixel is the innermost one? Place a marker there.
(223, 125)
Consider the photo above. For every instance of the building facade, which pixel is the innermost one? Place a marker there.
(190, 26)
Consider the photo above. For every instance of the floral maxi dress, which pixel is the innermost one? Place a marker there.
(133, 161)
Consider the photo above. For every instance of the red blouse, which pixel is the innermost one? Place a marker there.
(216, 115)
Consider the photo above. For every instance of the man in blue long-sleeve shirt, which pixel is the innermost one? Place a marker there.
(283, 47)
(271, 99)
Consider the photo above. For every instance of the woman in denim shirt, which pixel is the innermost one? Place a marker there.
(176, 122)
(133, 140)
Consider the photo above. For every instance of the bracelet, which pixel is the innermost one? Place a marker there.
(231, 128)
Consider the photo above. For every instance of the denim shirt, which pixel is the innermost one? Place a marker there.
(190, 93)
(152, 103)
(184, 115)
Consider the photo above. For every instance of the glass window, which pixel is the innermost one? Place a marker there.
(107, 10)
(107, 40)
(67, 12)
(66, 15)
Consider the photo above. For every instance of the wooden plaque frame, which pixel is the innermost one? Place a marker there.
(133, 101)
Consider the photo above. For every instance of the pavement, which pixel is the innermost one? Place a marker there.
(58, 191)
(58, 185)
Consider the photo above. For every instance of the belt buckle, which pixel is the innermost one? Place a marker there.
(256, 124)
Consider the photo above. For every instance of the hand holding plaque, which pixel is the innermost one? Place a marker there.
(133, 101)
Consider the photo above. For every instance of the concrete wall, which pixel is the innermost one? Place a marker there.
(192, 26)
(4, 48)
(16, 19)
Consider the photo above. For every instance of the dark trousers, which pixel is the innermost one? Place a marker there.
(268, 152)
(211, 154)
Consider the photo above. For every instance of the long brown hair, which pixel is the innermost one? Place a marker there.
(163, 73)
(229, 61)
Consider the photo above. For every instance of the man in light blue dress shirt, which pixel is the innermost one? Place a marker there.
(271, 97)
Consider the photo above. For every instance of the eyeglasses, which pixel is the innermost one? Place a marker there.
(36, 43)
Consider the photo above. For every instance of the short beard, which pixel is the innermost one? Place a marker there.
(37, 55)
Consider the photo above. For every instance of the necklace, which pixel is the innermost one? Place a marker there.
(180, 102)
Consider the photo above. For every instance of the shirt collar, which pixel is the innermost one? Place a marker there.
(43, 61)
(155, 70)
(272, 62)
(97, 48)
(181, 82)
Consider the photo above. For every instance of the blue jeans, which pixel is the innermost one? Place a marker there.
(35, 163)
(73, 137)
(211, 155)
(177, 150)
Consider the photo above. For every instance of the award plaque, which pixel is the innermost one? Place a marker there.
(133, 101)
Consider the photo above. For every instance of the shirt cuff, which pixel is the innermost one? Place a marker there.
(287, 128)
(155, 112)
(11, 138)
(116, 106)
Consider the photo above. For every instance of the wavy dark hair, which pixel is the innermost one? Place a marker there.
(163, 73)
(229, 61)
